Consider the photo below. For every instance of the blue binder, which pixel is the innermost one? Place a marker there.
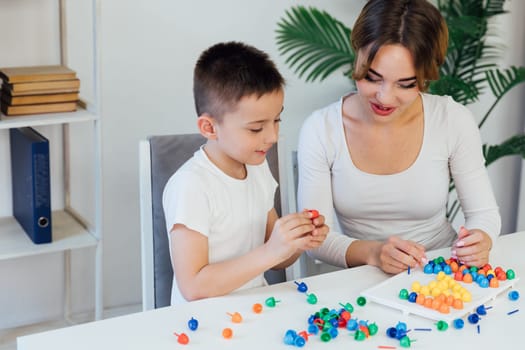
(30, 183)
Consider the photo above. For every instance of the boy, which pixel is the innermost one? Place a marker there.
(224, 232)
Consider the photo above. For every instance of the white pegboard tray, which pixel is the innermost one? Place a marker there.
(387, 293)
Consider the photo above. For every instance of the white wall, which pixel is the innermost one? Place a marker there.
(148, 51)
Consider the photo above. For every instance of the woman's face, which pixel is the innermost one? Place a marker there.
(389, 88)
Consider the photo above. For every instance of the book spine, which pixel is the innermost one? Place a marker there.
(42, 193)
(31, 183)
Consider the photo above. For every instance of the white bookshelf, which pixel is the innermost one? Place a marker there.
(68, 233)
(81, 115)
(70, 230)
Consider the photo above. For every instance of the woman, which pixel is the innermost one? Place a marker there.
(382, 156)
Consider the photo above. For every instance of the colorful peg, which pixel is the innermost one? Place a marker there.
(372, 329)
(271, 302)
(289, 337)
(473, 318)
(236, 317)
(315, 213)
(442, 326)
(514, 295)
(405, 342)
(182, 338)
(348, 307)
(257, 308)
(227, 333)
(311, 298)
(301, 286)
(193, 324)
(458, 323)
(361, 301)
(481, 310)
(359, 335)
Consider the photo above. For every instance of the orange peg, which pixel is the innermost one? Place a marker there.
(444, 309)
(467, 278)
(236, 317)
(494, 283)
(458, 304)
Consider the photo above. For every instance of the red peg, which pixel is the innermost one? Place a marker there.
(182, 338)
(314, 212)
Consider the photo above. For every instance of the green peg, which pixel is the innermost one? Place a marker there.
(372, 329)
(348, 307)
(326, 337)
(405, 342)
(270, 302)
(311, 299)
(361, 301)
(403, 294)
(442, 326)
(359, 335)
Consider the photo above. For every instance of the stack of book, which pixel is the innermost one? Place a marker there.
(38, 89)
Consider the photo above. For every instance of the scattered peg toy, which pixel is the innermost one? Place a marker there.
(227, 333)
(257, 308)
(514, 295)
(301, 287)
(182, 338)
(193, 324)
(311, 298)
(236, 317)
(271, 302)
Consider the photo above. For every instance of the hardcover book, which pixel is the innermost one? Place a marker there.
(30, 183)
(38, 108)
(66, 85)
(9, 99)
(36, 73)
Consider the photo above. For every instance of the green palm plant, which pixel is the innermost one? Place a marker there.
(315, 45)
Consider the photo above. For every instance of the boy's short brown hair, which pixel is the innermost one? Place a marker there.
(226, 72)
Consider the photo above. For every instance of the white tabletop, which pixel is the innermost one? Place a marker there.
(154, 329)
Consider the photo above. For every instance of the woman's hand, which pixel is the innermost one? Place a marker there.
(396, 255)
(472, 247)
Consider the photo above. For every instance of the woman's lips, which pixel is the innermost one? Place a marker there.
(381, 110)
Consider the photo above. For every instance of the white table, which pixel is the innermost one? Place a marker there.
(154, 329)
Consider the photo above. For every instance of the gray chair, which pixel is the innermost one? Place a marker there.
(159, 158)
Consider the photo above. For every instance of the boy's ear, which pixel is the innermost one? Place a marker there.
(206, 125)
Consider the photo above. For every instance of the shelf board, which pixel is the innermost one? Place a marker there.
(80, 115)
(67, 233)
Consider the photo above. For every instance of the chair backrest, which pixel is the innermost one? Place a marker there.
(159, 157)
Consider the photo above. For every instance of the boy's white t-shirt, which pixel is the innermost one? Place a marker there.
(232, 213)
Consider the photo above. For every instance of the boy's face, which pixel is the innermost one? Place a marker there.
(245, 134)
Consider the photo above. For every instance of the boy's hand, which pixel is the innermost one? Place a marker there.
(296, 232)
(320, 231)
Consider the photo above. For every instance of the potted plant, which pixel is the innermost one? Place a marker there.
(316, 45)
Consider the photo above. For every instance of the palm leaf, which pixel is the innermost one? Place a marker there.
(460, 90)
(501, 82)
(314, 43)
(511, 147)
(469, 56)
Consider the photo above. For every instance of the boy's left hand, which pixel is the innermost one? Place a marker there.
(472, 247)
(319, 233)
